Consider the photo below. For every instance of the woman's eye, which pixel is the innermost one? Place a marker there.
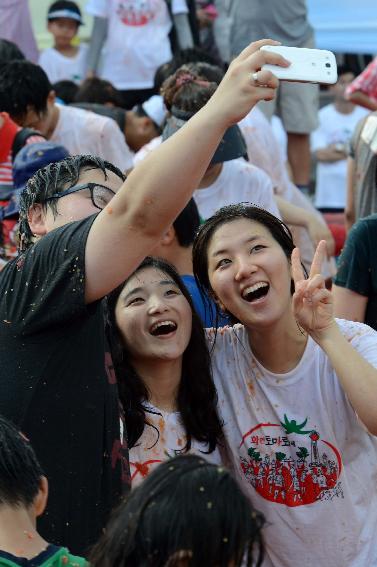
(136, 300)
(223, 263)
(172, 292)
(257, 248)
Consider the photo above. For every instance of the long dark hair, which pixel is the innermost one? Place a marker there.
(196, 398)
(279, 231)
(186, 512)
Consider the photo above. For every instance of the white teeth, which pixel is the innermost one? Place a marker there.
(253, 288)
(161, 324)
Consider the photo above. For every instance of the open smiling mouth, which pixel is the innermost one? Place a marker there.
(163, 328)
(256, 291)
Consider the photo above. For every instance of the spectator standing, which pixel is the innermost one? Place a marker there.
(362, 171)
(64, 61)
(137, 42)
(26, 93)
(15, 25)
(330, 143)
(296, 103)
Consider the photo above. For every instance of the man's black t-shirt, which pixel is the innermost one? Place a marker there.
(58, 385)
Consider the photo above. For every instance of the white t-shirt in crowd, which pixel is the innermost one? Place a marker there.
(265, 151)
(58, 67)
(84, 132)
(238, 182)
(334, 128)
(304, 457)
(163, 439)
(137, 39)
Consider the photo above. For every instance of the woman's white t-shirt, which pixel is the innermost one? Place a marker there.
(238, 182)
(163, 439)
(137, 40)
(305, 459)
(58, 67)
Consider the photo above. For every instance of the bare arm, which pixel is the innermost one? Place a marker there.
(160, 186)
(349, 304)
(99, 34)
(330, 154)
(350, 202)
(313, 310)
(297, 216)
(360, 98)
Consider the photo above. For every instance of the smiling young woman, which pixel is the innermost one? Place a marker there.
(163, 369)
(297, 392)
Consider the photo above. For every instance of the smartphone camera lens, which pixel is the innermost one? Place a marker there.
(328, 64)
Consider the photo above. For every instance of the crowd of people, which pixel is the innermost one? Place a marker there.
(188, 346)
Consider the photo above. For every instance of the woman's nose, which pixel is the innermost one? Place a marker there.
(157, 305)
(245, 267)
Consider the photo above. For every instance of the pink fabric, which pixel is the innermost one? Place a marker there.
(366, 82)
(15, 25)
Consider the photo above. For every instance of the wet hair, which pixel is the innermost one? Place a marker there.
(279, 231)
(182, 57)
(186, 224)
(187, 91)
(186, 512)
(23, 85)
(54, 178)
(98, 91)
(9, 51)
(196, 398)
(20, 471)
(65, 90)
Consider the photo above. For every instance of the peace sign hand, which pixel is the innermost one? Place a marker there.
(312, 302)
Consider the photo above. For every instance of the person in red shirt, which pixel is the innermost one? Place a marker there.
(12, 138)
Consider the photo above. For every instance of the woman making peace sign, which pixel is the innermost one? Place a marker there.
(297, 392)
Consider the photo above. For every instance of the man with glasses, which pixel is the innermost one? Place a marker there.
(82, 232)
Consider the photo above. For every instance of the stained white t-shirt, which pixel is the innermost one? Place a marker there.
(304, 457)
(58, 67)
(163, 439)
(137, 40)
(334, 128)
(238, 182)
(84, 132)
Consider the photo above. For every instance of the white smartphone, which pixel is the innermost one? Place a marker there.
(307, 65)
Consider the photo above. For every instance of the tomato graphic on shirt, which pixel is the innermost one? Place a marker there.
(137, 12)
(289, 463)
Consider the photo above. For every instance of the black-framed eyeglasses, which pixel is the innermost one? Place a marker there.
(99, 194)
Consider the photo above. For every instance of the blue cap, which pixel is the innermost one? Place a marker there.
(27, 162)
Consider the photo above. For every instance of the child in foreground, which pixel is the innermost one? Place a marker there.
(23, 497)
